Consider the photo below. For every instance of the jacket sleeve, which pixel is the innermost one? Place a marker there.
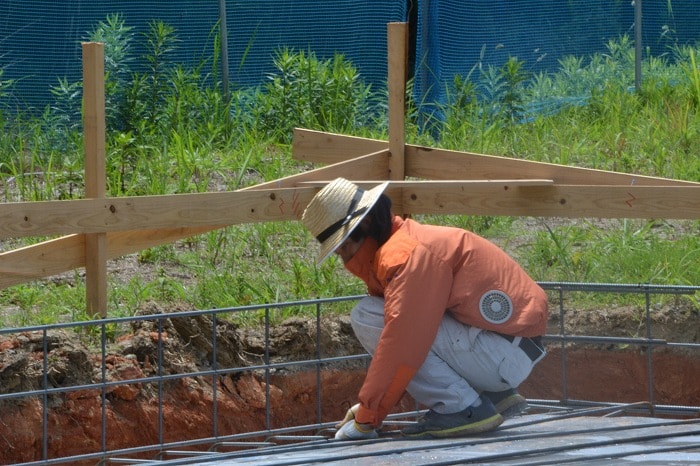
(415, 300)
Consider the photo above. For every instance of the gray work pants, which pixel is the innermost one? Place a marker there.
(462, 362)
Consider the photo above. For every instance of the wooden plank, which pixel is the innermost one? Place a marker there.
(68, 252)
(326, 148)
(96, 274)
(443, 164)
(395, 190)
(94, 119)
(43, 259)
(365, 184)
(46, 218)
(217, 209)
(541, 198)
(572, 201)
(95, 173)
(397, 46)
(374, 166)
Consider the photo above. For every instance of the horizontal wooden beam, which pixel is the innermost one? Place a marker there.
(572, 201)
(540, 198)
(441, 164)
(495, 197)
(48, 218)
(365, 184)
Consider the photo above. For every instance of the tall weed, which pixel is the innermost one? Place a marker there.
(309, 92)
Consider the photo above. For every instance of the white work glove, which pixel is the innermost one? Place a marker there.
(354, 431)
(349, 429)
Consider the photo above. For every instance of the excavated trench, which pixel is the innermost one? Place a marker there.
(612, 373)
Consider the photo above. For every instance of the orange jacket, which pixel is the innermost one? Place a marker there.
(423, 271)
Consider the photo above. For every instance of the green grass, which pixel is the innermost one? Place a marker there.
(170, 130)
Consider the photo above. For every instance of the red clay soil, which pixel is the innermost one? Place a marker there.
(74, 427)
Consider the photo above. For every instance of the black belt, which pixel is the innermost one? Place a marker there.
(531, 345)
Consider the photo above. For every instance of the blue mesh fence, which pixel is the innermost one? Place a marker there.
(40, 40)
(456, 37)
(357, 29)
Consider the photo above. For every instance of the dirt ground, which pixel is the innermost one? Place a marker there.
(600, 373)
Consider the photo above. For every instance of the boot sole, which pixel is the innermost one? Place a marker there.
(459, 431)
(512, 406)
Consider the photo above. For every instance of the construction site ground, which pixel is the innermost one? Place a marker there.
(599, 373)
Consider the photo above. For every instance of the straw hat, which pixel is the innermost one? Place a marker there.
(336, 210)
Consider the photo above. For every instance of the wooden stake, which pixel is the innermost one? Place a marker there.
(95, 173)
(397, 38)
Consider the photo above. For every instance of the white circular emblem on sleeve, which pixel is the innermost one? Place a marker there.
(495, 307)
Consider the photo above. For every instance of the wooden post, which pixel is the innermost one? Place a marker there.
(397, 45)
(95, 173)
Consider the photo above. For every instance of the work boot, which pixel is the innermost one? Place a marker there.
(508, 403)
(472, 420)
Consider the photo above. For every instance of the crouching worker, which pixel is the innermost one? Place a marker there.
(450, 318)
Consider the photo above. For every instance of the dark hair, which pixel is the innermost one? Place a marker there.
(380, 222)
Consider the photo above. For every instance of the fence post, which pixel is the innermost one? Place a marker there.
(638, 45)
(95, 173)
(223, 33)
